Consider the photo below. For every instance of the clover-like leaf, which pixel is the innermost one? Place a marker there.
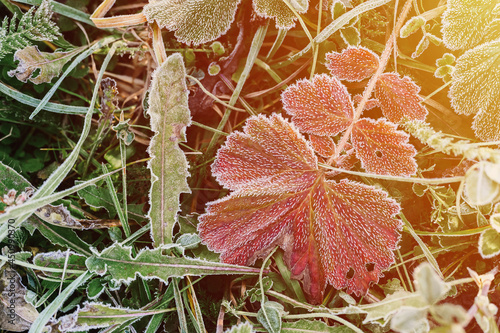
(194, 21)
(339, 233)
(353, 63)
(465, 23)
(382, 149)
(399, 98)
(322, 106)
(475, 80)
(278, 10)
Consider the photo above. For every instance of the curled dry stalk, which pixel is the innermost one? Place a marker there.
(371, 84)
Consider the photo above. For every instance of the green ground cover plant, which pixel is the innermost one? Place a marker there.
(250, 166)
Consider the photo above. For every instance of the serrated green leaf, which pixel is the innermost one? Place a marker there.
(465, 23)
(429, 284)
(269, 316)
(117, 260)
(489, 243)
(69, 260)
(194, 21)
(169, 112)
(98, 315)
(31, 59)
(312, 326)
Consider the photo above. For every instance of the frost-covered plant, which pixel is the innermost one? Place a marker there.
(34, 25)
(333, 232)
(201, 21)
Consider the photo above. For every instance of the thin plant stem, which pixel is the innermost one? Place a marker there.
(371, 84)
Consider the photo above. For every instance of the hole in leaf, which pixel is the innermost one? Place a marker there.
(350, 274)
(370, 266)
(378, 153)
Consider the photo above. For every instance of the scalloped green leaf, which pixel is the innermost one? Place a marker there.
(278, 10)
(475, 80)
(194, 21)
(169, 112)
(486, 123)
(466, 23)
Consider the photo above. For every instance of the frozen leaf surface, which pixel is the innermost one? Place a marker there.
(169, 112)
(353, 64)
(475, 88)
(339, 233)
(322, 106)
(194, 21)
(382, 149)
(31, 59)
(323, 145)
(465, 23)
(278, 10)
(487, 123)
(399, 98)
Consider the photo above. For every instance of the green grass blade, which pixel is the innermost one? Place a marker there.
(49, 106)
(116, 202)
(58, 176)
(64, 10)
(44, 317)
(103, 42)
(180, 307)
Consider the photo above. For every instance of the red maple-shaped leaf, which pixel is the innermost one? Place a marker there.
(323, 145)
(322, 106)
(382, 149)
(339, 233)
(399, 98)
(353, 64)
